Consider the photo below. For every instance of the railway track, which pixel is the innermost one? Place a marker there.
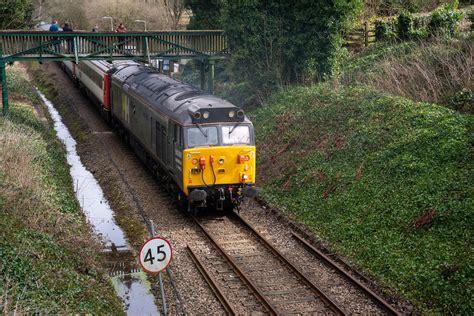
(261, 278)
(268, 276)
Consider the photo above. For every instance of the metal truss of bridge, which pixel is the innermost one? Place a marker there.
(206, 46)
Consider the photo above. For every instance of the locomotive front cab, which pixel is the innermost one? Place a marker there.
(219, 163)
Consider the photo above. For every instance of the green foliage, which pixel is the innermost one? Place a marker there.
(15, 14)
(471, 19)
(395, 7)
(387, 181)
(206, 14)
(385, 30)
(404, 25)
(279, 43)
(463, 101)
(410, 27)
(445, 20)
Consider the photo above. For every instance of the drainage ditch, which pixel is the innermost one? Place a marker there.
(130, 283)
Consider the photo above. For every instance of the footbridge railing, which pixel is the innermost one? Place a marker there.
(206, 46)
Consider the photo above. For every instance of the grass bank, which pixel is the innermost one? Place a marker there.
(386, 180)
(49, 258)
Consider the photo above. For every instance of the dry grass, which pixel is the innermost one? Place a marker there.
(24, 191)
(430, 72)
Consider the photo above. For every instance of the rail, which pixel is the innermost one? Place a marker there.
(269, 303)
(380, 301)
(212, 283)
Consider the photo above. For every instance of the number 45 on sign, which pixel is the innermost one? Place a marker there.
(155, 255)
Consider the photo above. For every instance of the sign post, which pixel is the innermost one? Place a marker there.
(154, 256)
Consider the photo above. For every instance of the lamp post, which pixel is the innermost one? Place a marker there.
(141, 21)
(111, 22)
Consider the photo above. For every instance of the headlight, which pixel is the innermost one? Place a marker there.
(231, 114)
(205, 115)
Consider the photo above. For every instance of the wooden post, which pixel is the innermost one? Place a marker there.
(3, 73)
(366, 34)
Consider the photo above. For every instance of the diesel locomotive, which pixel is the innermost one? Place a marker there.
(202, 147)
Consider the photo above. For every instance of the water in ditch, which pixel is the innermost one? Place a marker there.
(130, 284)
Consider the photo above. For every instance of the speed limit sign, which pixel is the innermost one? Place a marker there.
(155, 255)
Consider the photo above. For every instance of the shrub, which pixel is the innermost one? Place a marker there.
(405, 26)
(384, 30)
(445, 20)
(470, 16)
(462, 101)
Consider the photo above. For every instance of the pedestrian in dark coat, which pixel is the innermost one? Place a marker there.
(70, 41)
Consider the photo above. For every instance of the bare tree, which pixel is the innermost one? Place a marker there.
(83, 14)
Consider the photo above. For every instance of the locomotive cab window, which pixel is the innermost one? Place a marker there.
(236, 134)
(202, 136)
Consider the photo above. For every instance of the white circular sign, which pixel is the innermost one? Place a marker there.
(155, 255)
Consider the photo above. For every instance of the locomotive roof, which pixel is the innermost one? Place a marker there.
(174, 98)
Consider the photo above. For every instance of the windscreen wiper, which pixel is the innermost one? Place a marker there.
(202, 131)
(233, 127)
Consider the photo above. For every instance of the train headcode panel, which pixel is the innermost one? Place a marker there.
(155, 255)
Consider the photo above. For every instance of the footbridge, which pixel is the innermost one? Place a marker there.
(205, 46)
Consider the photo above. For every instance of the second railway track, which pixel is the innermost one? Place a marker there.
(248, 274)
(279, 286)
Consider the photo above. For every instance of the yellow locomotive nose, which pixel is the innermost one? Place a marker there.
(223, 165)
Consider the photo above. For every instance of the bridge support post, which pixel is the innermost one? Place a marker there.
(210, 83)
(3, 74)
(203, 75)
(147, 51)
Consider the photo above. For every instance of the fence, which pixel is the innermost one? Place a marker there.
(361, 37)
